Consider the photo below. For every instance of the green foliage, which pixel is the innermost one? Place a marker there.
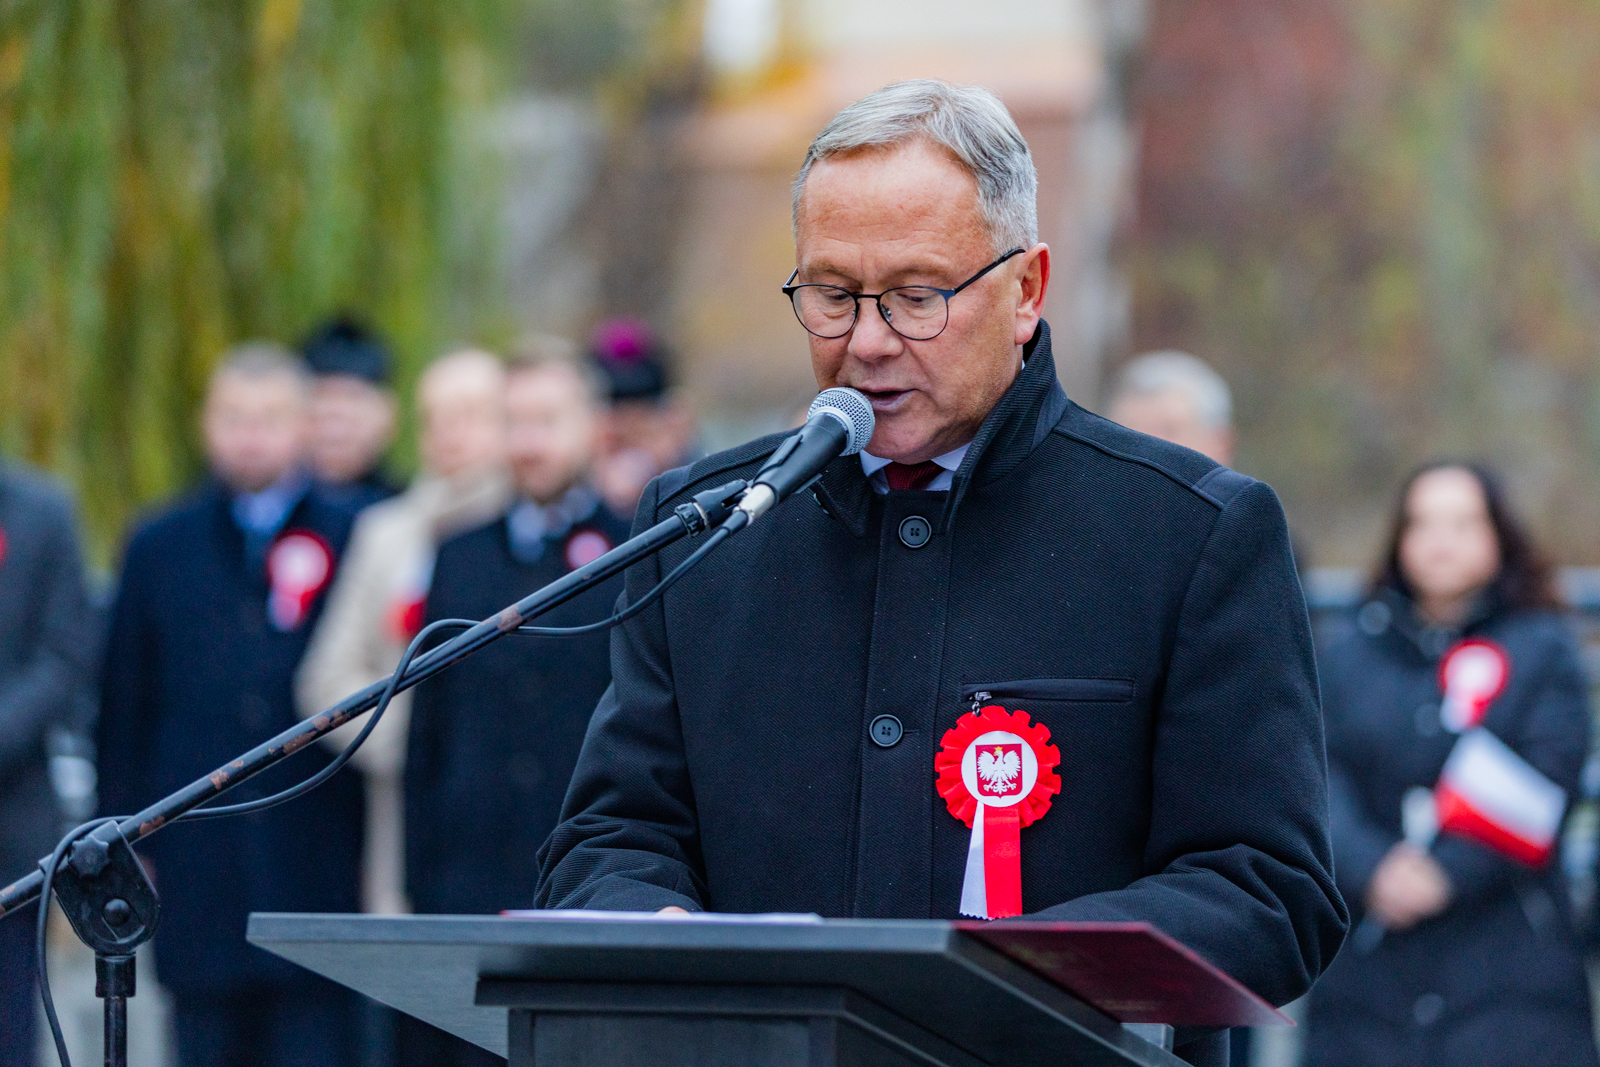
(178, 175)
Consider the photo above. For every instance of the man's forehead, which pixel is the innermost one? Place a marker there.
(910, 208)
(559, 382)
(872, 187)
(460, 381)
(246, 387)
(1170, 402)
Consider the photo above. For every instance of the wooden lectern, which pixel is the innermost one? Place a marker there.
(730, 991)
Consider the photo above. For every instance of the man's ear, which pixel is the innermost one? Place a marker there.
(1034, 282)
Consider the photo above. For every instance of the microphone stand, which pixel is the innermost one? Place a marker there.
(103, 888)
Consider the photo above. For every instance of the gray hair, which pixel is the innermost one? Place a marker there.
(257, 360)
(1157, 373)
(967, 121)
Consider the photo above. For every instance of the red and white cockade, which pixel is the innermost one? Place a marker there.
(1471, 675)
(997, 774)
(586, 546)
(298, 566)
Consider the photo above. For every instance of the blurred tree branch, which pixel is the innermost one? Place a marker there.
(178, 175)
(1381, 219)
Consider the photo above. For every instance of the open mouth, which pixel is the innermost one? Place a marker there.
(886, 399)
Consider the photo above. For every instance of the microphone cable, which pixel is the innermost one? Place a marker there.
(393, 686)
(300, 789)
(42, 926)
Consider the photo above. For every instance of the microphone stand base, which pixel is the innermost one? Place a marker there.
(111, 903)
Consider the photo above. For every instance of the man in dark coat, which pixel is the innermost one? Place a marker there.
(493, 739)
(218, 596)
(46, 651)
(769, 739)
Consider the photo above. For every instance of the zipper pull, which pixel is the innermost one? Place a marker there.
(977, 700)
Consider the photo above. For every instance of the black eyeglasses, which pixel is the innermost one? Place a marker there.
(915, 312)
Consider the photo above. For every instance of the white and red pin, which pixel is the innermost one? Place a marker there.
(1471, 675)
(997, 774)
(409, 598)
(299, 565)
(586, 546)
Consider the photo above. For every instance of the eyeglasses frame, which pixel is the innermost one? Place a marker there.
(789, 289)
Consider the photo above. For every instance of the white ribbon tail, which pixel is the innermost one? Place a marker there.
(974, 894)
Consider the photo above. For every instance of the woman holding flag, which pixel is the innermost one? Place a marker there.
(1457, 724)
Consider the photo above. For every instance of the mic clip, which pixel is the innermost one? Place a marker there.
(710, 508)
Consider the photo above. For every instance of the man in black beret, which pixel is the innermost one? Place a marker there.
(353, 412)
(648, 427)
(1011, 659)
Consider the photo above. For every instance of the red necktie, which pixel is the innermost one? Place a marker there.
(911, 475)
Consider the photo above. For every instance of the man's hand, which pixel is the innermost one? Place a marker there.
(673, 909)
(1408, 887)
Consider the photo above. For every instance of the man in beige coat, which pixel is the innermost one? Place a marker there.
(375, 606)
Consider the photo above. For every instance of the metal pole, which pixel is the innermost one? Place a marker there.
(115, 981)
(707, 510)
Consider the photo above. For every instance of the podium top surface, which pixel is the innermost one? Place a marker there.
(927, 972)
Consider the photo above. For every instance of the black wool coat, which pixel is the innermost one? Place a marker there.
(195, 675)
(1134, 597)
(47, 652)
(1498, 978)
(494, 738)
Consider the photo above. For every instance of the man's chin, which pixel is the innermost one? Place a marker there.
(903, 448)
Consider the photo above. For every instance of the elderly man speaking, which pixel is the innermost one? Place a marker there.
(1114, 620)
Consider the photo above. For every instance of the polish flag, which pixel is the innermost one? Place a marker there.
(1489, 793)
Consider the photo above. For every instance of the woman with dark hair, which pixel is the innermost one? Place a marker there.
(1460, 676)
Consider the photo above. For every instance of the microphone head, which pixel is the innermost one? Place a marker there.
(850, 408)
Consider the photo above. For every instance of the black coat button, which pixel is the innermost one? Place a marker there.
(885, 731)
(915, 531)
(1427, 1009)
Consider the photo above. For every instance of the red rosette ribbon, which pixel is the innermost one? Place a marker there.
(1471, 675)
(997, 773)
(299, 565)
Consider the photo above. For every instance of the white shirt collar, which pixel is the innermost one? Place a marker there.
(872, 466)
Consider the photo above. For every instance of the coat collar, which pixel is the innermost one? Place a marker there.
(1016, 426)
(1393, 611)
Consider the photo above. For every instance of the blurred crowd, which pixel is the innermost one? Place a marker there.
(298, 572)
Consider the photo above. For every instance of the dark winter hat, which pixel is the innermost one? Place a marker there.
(631, 358)
(344, 346)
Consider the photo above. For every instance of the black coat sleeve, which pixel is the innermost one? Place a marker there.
(1239, 861)
(627, 837)
(1553, 737)
(1359, 841)
(125, 736)
(51, 685)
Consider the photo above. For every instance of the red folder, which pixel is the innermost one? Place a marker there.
(1131, 971)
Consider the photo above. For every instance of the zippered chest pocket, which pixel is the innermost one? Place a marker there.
(1085, 690)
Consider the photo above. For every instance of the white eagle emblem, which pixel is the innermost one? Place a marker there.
(999, 770)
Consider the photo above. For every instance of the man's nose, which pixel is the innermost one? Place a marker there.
(871, 338)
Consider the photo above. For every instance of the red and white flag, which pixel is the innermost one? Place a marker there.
(1489, 793)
